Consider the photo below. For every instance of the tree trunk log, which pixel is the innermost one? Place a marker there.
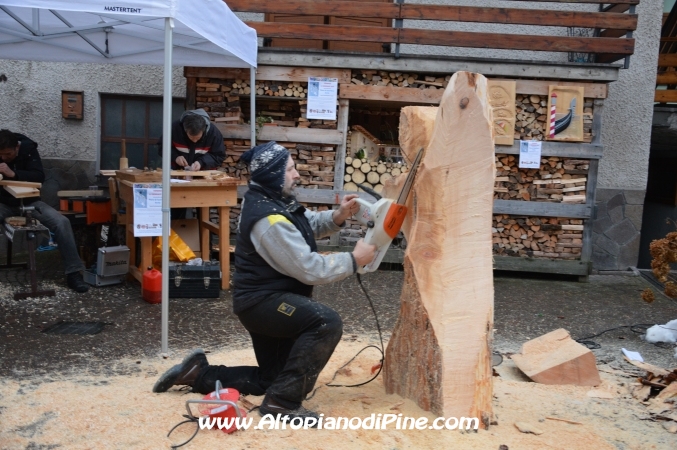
(440, 351)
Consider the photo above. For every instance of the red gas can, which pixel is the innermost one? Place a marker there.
(152, 286)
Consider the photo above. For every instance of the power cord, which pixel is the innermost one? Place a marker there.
(380, 349)
(639, 328)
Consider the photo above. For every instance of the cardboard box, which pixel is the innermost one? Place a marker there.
(189, 231)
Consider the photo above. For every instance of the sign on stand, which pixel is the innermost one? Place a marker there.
(530, 154)
(322, 95)
(147, 209)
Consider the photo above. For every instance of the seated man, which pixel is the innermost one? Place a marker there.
(196, 145)
(276, 266)
(196, 142)
(21, 162)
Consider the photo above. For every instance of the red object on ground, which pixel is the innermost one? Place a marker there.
(224, 411)
(152, 286)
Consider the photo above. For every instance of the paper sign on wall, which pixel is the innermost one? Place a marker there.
(530, 154)
(147, 209)
(322, 94)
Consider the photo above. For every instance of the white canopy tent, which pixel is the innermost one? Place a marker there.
(151, 32)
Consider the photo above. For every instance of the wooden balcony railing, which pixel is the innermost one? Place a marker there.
(667, 60)
(611, 40)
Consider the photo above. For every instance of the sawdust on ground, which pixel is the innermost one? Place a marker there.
(93, 412)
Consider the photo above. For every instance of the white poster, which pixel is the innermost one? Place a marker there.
(322, 94)
(147, 209)
(530, 154)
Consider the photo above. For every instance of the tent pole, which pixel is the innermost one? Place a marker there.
(252, 104)
(166, 169)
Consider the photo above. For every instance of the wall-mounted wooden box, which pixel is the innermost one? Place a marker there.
(72, 104)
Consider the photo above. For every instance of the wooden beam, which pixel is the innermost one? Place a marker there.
(542, 265)
(620, 2)
(440, 64)
(271, 73)
(390, 93)
(283, 134)
(560, 149)
(547, 209)
(665, 96)
(667, 60)
(22, 191)
(433, 96)
(325, 32)
(20, 183)
(318, 8)
(666, 78)
(516, 42)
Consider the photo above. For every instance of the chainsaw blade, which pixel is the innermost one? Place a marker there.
(402, 199)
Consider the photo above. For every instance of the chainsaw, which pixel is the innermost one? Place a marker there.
(384, 218)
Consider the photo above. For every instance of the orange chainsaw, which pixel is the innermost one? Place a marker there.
(384, 218)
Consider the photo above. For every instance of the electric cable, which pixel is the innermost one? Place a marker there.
(380, 349)
(638, 328)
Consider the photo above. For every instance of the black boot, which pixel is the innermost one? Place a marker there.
(183, 374)
(74, 281)
(270, 406)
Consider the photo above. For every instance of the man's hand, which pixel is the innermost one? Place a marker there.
(364, 253)
(6, 171)
(347, 208)
(181, 161)
(196, 166)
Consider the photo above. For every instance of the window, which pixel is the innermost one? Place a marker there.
(137, 120)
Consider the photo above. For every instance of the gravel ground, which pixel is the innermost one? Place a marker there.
(526, 307)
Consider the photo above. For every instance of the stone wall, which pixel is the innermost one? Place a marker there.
(616, 228)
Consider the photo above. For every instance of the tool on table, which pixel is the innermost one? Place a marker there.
(124, 162)
(384, 218)
(28, 225)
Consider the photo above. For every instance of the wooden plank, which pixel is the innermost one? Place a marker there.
(22, 192)
(542, 265)
(328, 32)
(272, 73)
(19, 183)
(80, 193)
(441, 64)
(390, 93)
(667, 60)
(547, 209)
(561, 149)
(518, 16)
(620, 2)
(342, 125)
(191, 92)
(283, 134)
(666, 96)
(454, 13)
(512, 41)
(666, 78)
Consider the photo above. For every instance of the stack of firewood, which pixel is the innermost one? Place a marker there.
(370, 174)
(216, 97)
(546, 237)
(561, 180)
(271, 88)
(399, 79)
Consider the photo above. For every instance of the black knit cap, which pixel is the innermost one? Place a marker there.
(267, 165)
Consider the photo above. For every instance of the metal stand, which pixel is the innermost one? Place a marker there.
(30, 236)
(31, 229)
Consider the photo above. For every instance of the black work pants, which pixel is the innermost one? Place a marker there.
(293, 338)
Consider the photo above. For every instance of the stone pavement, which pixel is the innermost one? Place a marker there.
(525, 308)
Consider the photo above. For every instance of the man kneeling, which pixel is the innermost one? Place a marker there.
(276, 267)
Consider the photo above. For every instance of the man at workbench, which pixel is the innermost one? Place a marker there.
(276, 267)
(196, 145)
(21, 162)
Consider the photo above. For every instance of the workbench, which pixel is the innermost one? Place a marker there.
(201, 194)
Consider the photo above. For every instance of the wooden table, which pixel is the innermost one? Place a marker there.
(200, 194)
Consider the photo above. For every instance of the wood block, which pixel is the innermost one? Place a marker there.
(555, 358)
(502, 100)
(81, 193)
(23, 192)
